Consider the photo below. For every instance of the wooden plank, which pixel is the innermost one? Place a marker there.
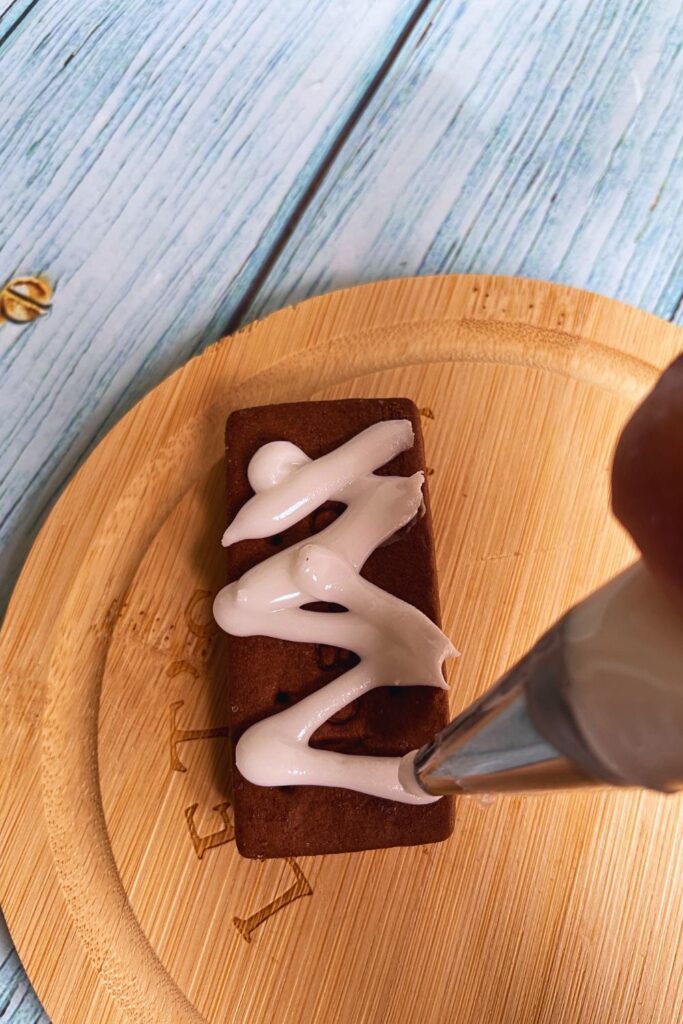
(542, 139)
(12, 13)
(151, 152)
(18, 1001)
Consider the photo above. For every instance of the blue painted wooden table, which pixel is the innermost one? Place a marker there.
(177, 169)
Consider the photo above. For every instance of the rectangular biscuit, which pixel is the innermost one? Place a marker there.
(266, 675)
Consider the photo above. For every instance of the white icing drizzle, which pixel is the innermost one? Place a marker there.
(397, 644)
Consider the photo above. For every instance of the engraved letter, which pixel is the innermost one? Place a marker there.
(203, 843)
(186, 735)
(176, 668)
(201, 629)
(301, 887)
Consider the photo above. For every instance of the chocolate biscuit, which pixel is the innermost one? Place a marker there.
(266, 675)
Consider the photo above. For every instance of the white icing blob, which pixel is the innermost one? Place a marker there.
(397, 644)
(273, 463)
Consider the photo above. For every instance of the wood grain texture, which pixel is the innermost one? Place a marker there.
(559, 909)
(12, 13)
(158, 161)
(18, 1002)
(149, 154)
(156, 157)
(541, 139)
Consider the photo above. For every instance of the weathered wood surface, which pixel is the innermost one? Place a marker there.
(540, 139)
(177, 169)
(150, 154)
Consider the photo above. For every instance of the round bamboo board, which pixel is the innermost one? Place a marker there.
(118, 875)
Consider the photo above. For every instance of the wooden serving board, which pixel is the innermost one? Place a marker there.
(119, 878)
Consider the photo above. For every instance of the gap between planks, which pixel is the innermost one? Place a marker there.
(413, 23)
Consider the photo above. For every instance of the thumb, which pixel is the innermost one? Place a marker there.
(647, 479)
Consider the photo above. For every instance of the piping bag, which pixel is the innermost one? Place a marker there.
(598, 700)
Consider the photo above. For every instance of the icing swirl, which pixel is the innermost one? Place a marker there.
(397, 644)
